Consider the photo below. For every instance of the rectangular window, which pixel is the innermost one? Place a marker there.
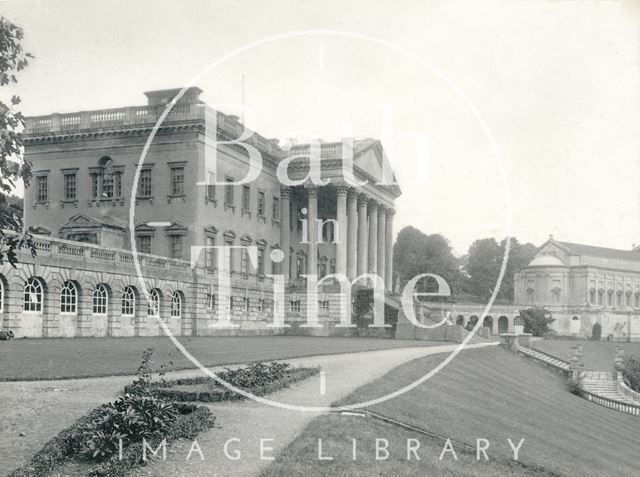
(245, 304)
(261, 203)
(177, 181)
(261, 262)
(323, 305)
(144, 244)
(118, 184)
(107, 186)
(246, 198)
(276, 208)
(211, 186)
(94, 186)
(210, 253)
(294, 306)
(275, 268)
(144, 183)
(228, 192)
(42, 189)
(244, 263)
(175, 243)
(70, 186)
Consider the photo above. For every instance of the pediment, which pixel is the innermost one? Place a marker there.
(81, 221)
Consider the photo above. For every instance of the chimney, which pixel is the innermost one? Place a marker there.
(161, 97)
(550, 236)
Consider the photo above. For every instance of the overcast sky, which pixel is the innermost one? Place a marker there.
(556, 85)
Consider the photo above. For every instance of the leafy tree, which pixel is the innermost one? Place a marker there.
(483, 262)
(536, 321)
(415, 253)
(13, 167)
(482, 267)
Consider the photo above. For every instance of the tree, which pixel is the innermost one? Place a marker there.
(482, 267)
(415, 253)
(483, 262)
(536, 321)
(13, 167)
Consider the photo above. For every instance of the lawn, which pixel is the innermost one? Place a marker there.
(490, 394)
(597, 355)
(30, 359)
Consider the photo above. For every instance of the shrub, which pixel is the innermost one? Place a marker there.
(130, 418)
(596, 332)
(536, 321)
(631, 372)
(575, 386)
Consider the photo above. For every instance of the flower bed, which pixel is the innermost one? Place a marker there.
(258, 379)
(65, 448)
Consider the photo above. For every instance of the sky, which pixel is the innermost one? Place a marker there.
(518, 118)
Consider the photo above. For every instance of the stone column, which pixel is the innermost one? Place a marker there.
(352, 234)
(373, 237)
(341, 218)
(388, 262)
(312, 230)
(382, 251)
(362, 234)
(285, 230)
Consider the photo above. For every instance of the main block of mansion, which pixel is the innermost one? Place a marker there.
(85, 281)
(78, 207)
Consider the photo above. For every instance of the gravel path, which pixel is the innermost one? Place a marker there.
(35, 411)
(249, 422)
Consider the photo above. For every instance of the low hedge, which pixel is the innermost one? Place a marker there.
(631, 372)
(221, 393)
(192, 420)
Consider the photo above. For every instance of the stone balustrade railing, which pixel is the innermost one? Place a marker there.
(612, 403)
(133, 116)
(54, 247)
(626, 391)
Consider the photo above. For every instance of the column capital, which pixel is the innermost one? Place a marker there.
(341, 189)
(285, 192)
(373, 205)
(391, 212)
(312, 190)
(382, 210)
(363, 198)
(352, 193)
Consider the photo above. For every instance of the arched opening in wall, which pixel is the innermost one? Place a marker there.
(33, 301)
(488, 322)
(128, 302)
(153, 304)
(574, 327)
(177, 299)
(460, 320)
(473, 320)
(100, 300)
(3, 295)
(503, 324)
(69, 298)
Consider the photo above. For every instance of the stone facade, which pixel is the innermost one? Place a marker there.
(582, 285)
(83, 281)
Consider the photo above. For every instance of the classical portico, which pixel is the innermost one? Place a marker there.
(354, 225)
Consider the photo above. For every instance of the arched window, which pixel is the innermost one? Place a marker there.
(33, 295)
(100, 300)
(176, 305)
(128, 302)
(153, 307)
(1, 294)
(69, 298)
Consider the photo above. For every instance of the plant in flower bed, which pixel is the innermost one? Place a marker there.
(257, 378)
(109, 440)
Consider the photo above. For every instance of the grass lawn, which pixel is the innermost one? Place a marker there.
(30, 359)
(490, 394)
(597, 355)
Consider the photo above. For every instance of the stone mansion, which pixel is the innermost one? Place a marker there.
(83, 281)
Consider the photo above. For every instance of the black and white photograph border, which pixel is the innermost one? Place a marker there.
(319, 238)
